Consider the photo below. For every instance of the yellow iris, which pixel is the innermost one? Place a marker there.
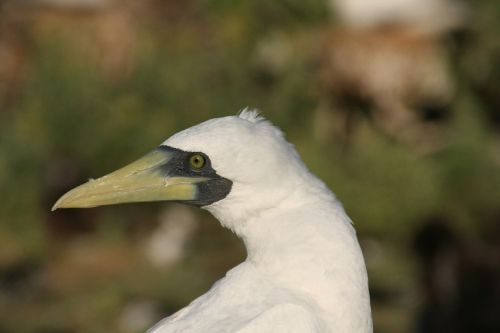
(197, 161)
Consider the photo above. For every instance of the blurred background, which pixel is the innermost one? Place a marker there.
(394, 103)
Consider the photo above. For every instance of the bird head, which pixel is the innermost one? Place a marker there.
(233, 166)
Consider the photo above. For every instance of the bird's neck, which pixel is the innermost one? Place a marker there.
(309, 246)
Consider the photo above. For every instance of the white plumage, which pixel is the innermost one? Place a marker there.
(304, 271)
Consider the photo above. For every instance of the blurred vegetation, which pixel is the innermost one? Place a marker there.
(71, 118)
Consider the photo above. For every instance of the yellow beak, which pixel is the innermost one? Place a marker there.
(148, 179)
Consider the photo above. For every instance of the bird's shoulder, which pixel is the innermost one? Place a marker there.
(237, 298)
(284, 317)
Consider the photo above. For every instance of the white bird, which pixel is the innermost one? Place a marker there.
(304, 270)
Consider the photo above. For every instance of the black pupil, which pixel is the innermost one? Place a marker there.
(197, 161)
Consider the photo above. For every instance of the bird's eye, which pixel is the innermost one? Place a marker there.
(197, 161)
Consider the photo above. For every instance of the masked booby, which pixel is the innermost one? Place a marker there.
(304, 270)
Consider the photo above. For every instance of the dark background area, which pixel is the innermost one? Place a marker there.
(398, 111)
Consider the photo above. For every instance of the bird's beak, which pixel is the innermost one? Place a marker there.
(154, 177)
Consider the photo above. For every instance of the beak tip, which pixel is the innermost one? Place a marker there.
(65, 201)
(57, 205)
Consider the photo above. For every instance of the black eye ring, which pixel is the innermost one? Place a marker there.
(197, 161)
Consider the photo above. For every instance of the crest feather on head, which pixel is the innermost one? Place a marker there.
(251, 115)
